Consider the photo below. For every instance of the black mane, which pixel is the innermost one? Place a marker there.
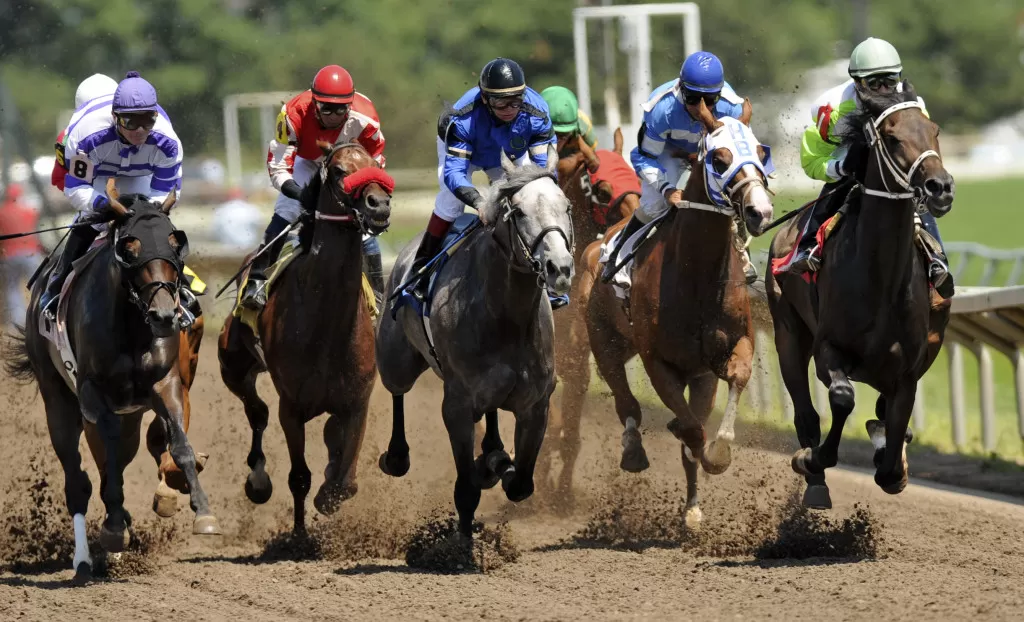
(851, 130)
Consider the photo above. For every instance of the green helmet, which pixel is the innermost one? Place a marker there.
(873, 56)
(563, 108)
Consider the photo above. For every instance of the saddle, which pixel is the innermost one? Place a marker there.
(291, 249)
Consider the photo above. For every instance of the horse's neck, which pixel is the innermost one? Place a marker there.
(334, 263)
(705, 236)
(584, 228)
(885, 236)
(512, 293)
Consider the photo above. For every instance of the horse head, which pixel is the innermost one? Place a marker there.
(736, 166)
(151, 254)
(905, 147)
(358, 188)
(538, 218)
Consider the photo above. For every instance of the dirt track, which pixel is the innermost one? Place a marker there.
(926, 552)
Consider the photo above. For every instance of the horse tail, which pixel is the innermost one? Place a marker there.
(16, 359)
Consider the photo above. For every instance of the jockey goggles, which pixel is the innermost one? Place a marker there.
(692, 98)
(504, 103)
(135, 120)
(328, 109)
(889, 80)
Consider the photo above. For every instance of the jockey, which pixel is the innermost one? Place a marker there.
(127, 138)
(500, 114)
(670, 137)
(875, 66)
(94, 87)
(330, 110)
(566, 117)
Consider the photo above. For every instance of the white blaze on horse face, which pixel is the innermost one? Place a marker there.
(545, 206)
(756, 197)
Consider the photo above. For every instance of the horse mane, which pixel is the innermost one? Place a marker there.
(851, 130)
(509, 185)
(308, 200)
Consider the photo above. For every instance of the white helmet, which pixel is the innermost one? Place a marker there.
(874, 56)
(96, 85)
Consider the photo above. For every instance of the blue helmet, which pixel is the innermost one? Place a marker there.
(702, 72)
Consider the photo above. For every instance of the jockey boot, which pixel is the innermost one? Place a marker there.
(374, 270)
(255, 295)
(79, 241)
(610, 269)
(807, 257)
(938, 265)
(430, 245)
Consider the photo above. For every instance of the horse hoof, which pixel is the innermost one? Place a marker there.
(892, 488)
(258, 487)
(816, 497)
(206, 525)
(717, 457)
(517, 489)
(83, 574)
(175, 477)
(329, 498)
(165, 501)
(114, 541)
(488, 478)
(634, 459)
(693, 517)
(393, 466)
(800, 461)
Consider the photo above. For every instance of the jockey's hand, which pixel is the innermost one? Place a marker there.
(291, 189)
(673, 195)
(105, 213)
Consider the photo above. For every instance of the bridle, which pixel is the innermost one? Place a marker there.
(353, 219)
(887, 163)
(526, 252)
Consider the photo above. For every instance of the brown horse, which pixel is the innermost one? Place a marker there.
(869, 317)
(593, 183)
(689, 304)
(316, 333)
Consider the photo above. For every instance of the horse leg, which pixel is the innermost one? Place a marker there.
(167, 397)
(574, 393)
(880, 406)
(395, 461)
(718, 456)
(493, 460)
(840, 399)
(517, 480)
(64, 423)
(458, 421)
(299, 478)
(343, 435)
(611, 357)
(114, 535)
(794, 349)
(238, 369)
(701, 402)
(890, 438)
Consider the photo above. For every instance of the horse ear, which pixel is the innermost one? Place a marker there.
(705, 117)
(169, 202)
(553, 159)
(909, 94)
(325, 147)
(748, 111)
(617, 138)
(112, 198)
(506, 164)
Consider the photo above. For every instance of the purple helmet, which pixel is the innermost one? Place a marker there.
(134, 94)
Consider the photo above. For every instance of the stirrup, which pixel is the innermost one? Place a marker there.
(557, 302)
(50, 310)
(255, 296)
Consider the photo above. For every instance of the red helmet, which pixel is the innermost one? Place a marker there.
(333, 85)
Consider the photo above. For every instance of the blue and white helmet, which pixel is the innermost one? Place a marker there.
(134, 94)
(702, 72)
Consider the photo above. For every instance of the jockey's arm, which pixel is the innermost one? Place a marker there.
(645, 157)
(372, 139)
(79, 178)
(587, 129)
(458, 151)
(281, 155)
(818, 156)
(166, 172)
(543, 135)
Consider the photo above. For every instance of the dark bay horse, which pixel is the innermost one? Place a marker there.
(316, 334)
(594, 184)
(689, 304)
(870, 317)
(493, 335)
(123, 326)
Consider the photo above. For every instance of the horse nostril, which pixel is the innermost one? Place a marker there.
(372, 201)
(934, 187)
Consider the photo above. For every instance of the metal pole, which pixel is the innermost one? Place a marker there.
(232, 141)
(989, 434)
(956, 394)
(579, 35)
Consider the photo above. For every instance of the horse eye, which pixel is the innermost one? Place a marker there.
(720, 166)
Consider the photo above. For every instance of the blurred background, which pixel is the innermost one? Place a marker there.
(222, 68)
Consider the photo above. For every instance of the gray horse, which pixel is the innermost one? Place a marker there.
(492, 334)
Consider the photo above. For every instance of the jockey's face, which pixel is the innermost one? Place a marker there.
(692, 101)
(135, 127)
(881, 84)
(331, 116)
(505, 108)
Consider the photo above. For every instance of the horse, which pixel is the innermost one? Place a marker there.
(492, 334)
(316, 334)
(690, 310)
(869, 318)
(601, 197)
(123, 327)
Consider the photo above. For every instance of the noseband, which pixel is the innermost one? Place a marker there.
(871, 129)
(526, 252)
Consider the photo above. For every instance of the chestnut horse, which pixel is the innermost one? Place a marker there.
(869, 317)
(689, 303)
(316, 334)
(601, 196)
